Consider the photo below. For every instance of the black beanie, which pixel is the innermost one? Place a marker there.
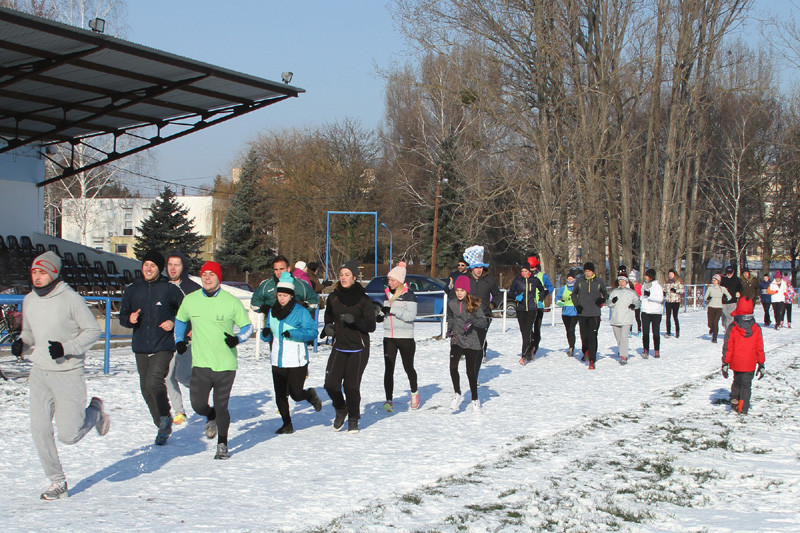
(352, 266)
(650, 273)
(589, 266)
(156, 258)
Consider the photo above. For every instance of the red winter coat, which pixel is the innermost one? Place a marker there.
(745, 346)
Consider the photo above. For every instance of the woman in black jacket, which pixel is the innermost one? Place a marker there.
(349, 319)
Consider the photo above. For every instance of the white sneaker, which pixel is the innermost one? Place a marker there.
(56, 491)
(455, 403)
(476, 406)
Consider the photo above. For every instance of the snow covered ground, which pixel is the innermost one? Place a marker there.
(650, 446)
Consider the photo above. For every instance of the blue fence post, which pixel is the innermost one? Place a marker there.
(107, 358)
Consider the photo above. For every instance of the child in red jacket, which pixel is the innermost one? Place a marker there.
(742, 351)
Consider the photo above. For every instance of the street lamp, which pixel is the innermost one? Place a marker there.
(390, 243)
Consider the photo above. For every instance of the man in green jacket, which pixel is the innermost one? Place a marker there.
(265, 295)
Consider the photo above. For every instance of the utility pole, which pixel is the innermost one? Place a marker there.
(436, 218)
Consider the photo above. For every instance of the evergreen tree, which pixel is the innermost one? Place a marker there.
(168, 229)
(247, 244)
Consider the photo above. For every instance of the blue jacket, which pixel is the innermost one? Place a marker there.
(527, 292)
(544, 279)
(291, 352)
(765, 296)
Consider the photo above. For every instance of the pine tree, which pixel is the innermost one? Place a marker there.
(247, 244)
(167, 229)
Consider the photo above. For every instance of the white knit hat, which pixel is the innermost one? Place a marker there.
(301, 265)
(398, 272)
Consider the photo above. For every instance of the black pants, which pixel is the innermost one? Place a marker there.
(651, 321)
(766, 306)
(713, 321)
(482, 333)
(740, 390)
(638, 313)
(672, 312)
(569, 324)
(407, 349)
(787, 307)
(537, 329)
(289, 382)
(777, 310)
(589, 326)
(153, 370)
(345, 370)
(203, 381)
(526, 320)
(473, 360)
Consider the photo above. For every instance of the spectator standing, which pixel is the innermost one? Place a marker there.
(673, 296)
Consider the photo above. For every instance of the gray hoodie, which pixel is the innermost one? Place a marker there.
(62, 316)
(622, 314)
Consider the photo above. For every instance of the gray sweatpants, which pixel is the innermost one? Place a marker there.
(621, 334)
(180, 370)
(727, 309)
(61, 395)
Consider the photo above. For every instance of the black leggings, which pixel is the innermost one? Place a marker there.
(289, 381)
(651, 320)
(153, 370)
(407, 348)
(672, 312)
(569, 324)
(777, 309)
(638, 313)
(345, 370)
(473, 359)
(766, 306)
(788, 308)
(526, 320)
(203, 381)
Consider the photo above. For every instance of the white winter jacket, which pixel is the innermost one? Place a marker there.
(779, 288)
(653, 304)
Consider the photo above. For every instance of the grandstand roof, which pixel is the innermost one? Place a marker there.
(61, 84)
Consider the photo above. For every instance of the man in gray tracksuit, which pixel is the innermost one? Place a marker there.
(60, 328)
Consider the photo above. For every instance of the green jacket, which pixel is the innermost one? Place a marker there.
(266, 293)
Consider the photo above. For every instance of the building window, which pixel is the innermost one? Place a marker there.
(127, 221)
(121, 249)
(97, 243)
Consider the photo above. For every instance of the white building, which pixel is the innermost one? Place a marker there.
(110, 224)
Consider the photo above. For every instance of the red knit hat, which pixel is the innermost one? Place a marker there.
(744, 306)
(213, 267)
(462, 282)
(533, 261)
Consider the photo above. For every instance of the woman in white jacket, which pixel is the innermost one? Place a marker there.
(777, 291)
(623, 302)
(652, 307)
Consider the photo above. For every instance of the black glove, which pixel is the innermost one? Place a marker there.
(386, 309)
(56, 349)
(16, 349)
(231, 340)
(725, 367)
(379, 318)
(348, 319)
(614, 300)
(632, 307)
(579, 309)
(327, 283)
(673, 289)
(600, 301)
(646, 293)
(760, 370)
(449, 333)
(265, 332)
(468, 326)
(264, 309)
(725, 299)
(181, 347)
(304, 304)
(327, 331)
(708, 299)
(286, 335)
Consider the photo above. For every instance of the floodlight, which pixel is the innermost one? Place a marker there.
(286, 77)
(98, 25)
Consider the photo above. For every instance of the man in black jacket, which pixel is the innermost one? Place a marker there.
(734, 285)
(180, 367)
(149, 306)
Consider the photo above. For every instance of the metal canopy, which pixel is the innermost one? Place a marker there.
(61, 84)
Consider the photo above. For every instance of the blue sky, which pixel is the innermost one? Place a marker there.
(333, 48)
